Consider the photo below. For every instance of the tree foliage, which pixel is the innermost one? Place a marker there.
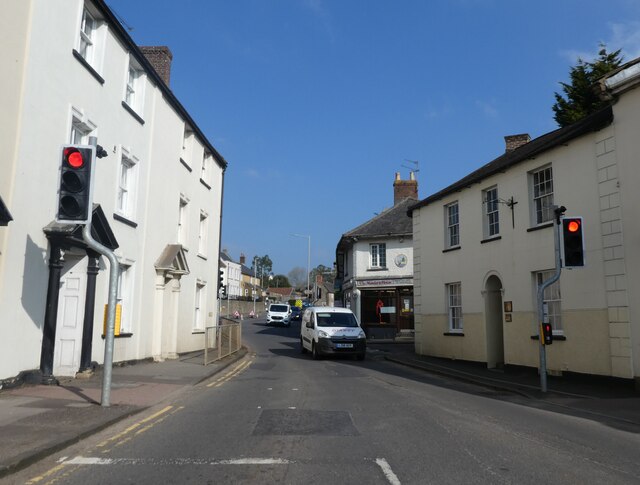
(279, 281)
(327, 273)
(298, 277)
(262, 265)
(581, 93)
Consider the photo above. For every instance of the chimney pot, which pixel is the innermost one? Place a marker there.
(404, 189)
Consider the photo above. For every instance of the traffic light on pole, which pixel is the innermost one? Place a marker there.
(547, 333)
(75, 184)
(222, 288)
(572, 242)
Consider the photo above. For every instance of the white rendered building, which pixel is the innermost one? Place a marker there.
(483, 245)
(72, 72)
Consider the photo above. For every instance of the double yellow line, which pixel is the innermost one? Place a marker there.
(237, 370)
(110, 443)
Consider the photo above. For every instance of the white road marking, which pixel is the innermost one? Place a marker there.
(292, 407)
(90, 460)
(388, 472)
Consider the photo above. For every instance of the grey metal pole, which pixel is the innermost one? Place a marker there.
(114, 270)
(308, 264)
(543, 352)
(111, 311)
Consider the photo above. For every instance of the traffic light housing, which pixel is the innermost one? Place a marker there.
(221, 287)
(572, 242)
(75, 187)
(547, 333)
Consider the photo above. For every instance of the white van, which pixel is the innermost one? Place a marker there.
(279, 313)
(331, 331)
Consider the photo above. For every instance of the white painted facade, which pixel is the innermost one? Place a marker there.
(232, 277)
(173, 191)
(360, 276)
(595, 176)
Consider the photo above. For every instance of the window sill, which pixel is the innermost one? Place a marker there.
(453, 334)
(494, 238)
(197, 331)
(540, 226)
(205, 184)
(122, 335)
(186, 165)
(555, 337)
(378, 269)
(124, 220)
(448, 250)
(132, 112)
(88, 66)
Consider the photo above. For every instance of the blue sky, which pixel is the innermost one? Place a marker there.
(315, 104)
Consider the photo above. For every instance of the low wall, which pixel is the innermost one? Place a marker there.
(228, 307)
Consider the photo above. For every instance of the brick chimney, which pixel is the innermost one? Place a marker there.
(516, 141)
(242, 258)
(403, 189)
(160, 57)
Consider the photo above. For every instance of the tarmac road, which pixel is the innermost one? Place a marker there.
(276, 416)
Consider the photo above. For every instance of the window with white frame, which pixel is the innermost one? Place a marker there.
(202, 234)
(183, 220)
(187, 145)
(378, 255)
(123, 296)
(88, 34)
(80, 129)
(551, 299)
(454, 306)
(200, 306)
(127, 180)
(134, 89)
(491, 213)
(542, 195)
(205, 173)
(452, 221)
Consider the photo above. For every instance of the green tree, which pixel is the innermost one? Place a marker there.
(328, 275)
(581, 94)
(262, 266)
(279, 281)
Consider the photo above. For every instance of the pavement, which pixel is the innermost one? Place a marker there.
(604, 399)
(39, 420)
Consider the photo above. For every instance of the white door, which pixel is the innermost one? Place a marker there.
(66, 356)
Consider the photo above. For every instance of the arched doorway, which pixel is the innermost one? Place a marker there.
(494, 322)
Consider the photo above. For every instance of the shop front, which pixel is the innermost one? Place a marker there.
(386, 310)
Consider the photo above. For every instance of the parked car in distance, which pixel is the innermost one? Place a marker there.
(332, 331)
(279, 314)
(296, 313)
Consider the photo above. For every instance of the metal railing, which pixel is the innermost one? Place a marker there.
(221, 340)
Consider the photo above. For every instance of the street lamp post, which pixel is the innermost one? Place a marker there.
(308, 260)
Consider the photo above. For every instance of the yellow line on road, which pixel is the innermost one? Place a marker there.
(231, 374)
(48, 473)
(134, 427)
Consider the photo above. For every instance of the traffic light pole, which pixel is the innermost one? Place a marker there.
(558, 211)
(114, 269)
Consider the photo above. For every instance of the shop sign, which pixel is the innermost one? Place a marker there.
(387, 282)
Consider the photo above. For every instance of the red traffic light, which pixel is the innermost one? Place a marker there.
(74, 158)
(573, 226)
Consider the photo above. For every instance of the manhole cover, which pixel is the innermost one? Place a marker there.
(305, 422)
